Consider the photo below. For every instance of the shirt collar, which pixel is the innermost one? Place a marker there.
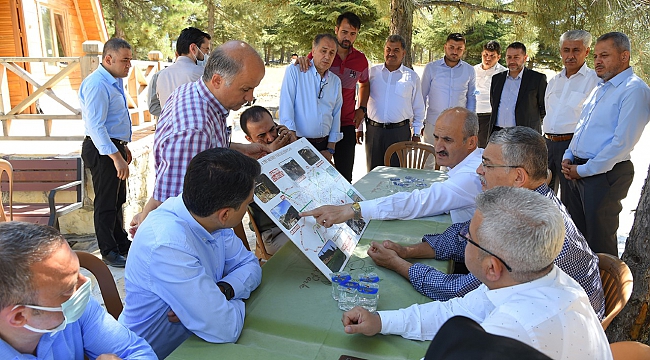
(315, 73)
(180, 210)
(582, 71)
(400, 68)
(186, 59)
(501, 296)
(444, 63)
(478, 152)
(107, 76)
(618, 79)
(211, 99)
(521, 73)
(543, 189)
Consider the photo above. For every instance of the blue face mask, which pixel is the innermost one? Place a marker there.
(202, 62)
(72, 309)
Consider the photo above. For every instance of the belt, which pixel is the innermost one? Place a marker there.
(119, 142)
(559, 137)
(317, 140)
(388, 125)
(484, 114)
(579, 161)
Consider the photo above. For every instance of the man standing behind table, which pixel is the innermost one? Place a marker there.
(107, 125)
(395, 104)
(455, 142)
(513, 238)
(565, 94)
(310, 102)
(517, 95)
(188, 260)
(193, 47)
(196, 118)
(447, 83)
(487, 68)
(598, 158)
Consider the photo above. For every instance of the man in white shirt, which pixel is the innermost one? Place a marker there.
(193, 48)
(395, 105)
(513, 238)
(484, 71)
(565, 94)
(448, 82)
(455, 142)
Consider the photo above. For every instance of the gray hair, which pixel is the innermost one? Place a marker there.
(320, 37)
(524, 147)
(621, 41)
(470, 126)
(21, 246)
(576, 35)
(397, 38)
(221, 63)
(523, 227)
(113, 45)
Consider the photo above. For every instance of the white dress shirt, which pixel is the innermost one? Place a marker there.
(483, 83)
(564, 98)
(183, 71)
(395, 96)
(509, 94)
(444, 87)
(551, 314)
(454, 195)
(611, 123)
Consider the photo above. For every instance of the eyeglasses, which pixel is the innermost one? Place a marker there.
(320, 93)
(465, 236)
(497, 166)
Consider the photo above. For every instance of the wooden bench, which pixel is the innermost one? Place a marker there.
(47, 178)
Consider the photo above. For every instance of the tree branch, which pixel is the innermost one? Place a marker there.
(466, 5)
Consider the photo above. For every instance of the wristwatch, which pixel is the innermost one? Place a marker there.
(365, 109)
(356, 208)
(228, 291)
(331, 151)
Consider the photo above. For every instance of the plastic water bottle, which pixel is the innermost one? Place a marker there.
(368, 295)
(337, 278)
(348, 295)
(370, 277)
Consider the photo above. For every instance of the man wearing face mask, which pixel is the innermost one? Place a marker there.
(193, 48)
(46, 307)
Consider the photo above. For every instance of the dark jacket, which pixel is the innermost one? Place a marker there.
(529, 110)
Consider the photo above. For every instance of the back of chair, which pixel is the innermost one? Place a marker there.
(5, 166)
(617, 285)
(411, 154)
(105, 279)
(260, 249)
(630, 350)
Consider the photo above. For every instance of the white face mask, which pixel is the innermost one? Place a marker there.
(72, 309)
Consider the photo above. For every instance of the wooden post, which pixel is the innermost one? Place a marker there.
(5, 104)
(90, 62)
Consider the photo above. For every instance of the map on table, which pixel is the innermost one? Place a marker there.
(298, 178)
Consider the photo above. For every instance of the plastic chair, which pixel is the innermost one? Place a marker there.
(5, 166)
(630, 350)
(105, 279)
(617, 285)
(411, 154)
(260, 250)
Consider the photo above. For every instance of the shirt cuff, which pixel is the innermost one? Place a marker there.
(335, 137)
(106, 149)
(368, 209)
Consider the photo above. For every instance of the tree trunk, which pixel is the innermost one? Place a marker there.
(632, 323)
(401, 23)
(282, 51)
(119, 19)
(210, 30)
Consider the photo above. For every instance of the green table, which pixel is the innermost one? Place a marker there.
(292, 315)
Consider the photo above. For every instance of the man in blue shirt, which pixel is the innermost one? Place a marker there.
(107, 126)
(597, 162)
(46, 307)
(310, 102)
(188, 262)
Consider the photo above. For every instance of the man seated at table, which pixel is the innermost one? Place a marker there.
(46, 305)
(259, 127)
(513, 157)
(187, 259)
(513, 239)
(456, 142)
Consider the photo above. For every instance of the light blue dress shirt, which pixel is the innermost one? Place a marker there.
(444, 87)
(302, 111)
(611, 123)
(104, 110)
(175, 264)
(508, 103)
(95, 333)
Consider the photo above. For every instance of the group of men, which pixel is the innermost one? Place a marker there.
(532, 275)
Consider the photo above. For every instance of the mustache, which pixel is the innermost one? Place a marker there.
(442, 153)
(482, 180)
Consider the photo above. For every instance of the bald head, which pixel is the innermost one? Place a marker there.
(229, 59)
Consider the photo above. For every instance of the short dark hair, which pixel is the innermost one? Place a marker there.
(352, 18)
(492, 45)
(621, 41)
(456, 37)
(397, 38)
(252, 114)
(218, 178)
(113, 45)
(294, 54)
(21, 246)
(320, 37)
(189, 36)
(517, 45)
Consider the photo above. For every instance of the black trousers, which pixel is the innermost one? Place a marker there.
(379, 139)
(594, 203)
(110, 195)
(344, 155)
(483, 129)
(556, 151)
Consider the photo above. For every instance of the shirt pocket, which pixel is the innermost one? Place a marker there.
(403, 89)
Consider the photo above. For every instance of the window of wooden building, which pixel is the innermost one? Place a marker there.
(56, 41)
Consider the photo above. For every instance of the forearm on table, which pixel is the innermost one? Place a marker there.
(439, 286)
(421, 250)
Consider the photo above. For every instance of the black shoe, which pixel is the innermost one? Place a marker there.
(114, 259)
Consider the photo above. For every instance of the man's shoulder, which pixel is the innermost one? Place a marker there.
(532, 73)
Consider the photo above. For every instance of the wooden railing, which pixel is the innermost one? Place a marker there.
(136, 90)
